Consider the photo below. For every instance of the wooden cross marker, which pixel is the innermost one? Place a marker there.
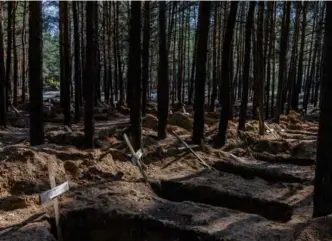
(52, 194)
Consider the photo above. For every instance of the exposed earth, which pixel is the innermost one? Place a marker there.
(258, 187)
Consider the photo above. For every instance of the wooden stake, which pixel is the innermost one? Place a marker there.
(55, 202)
(192, 151)
(135, 159)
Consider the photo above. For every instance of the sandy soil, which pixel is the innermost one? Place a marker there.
(262, 172)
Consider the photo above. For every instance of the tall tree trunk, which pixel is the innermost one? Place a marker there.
(106, 83)
(225, 86)
(65, 61)
(115, 48)
(269, 45)
(145, 54)
(312, 65)
(180, 60)
(90, 70)
(191, 86)
(199, 101)
(300, 76)
(35, 73)
(163, 83)
(282, 59)
(273, 37)
(15, 70)
(83, 46)
(3, 112)
(78, 72)
(294, 58)
(214, 58)
(23, 53)
(97, 74)
(109, 47)
(323, 177)
(134, 70)
(120, 77)
(246, 67)
(10, 5)
(261, 64)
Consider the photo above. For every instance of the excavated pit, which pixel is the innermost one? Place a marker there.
(273, 201)
(104, 213)
(270, 172)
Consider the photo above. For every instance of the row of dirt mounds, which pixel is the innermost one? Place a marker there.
(259, 188)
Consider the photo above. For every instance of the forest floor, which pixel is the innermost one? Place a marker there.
(257, 187)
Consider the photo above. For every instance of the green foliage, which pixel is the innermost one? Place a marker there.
(51, 58)
(53, 82)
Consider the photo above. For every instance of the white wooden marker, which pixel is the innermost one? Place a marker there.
(55, 201)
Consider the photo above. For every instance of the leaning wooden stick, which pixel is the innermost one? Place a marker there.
(192, 151)
(135, 159)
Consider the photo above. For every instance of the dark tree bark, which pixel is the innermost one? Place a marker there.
(199, 101)
(273, 37)
(180, 60)
(9, 52)
(97, 73)
(15, 70)
(297, 91)
(191, 86)
(115, 56)
(35, 73)
(323, 175)
(3, 112)
(78, 72)
(90, 70)
(83, 45)
(163, 84)
(120, 78)
(134, 70)
(312, 63)
(269, 36)
(214, 59)
(23, 53)
(145, 54)
(225, 86)
(65, 61)
(294, 58)
(105, 53)
(261, 64)
(282, 60)
(110, 79)
(246, 68)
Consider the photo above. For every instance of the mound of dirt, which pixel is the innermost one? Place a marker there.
(305, 149)
(150, 121)
(317, 229)
(181, 120)
(24, 171)
(271, 146)
(75, 138)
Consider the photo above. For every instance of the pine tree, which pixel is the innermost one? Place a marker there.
(323, 175)
(246, 68)
(3, 112)
(134, 71)
(163, 83)
(225, 91)
(199, 101)
(35, 73)
(90, 70)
